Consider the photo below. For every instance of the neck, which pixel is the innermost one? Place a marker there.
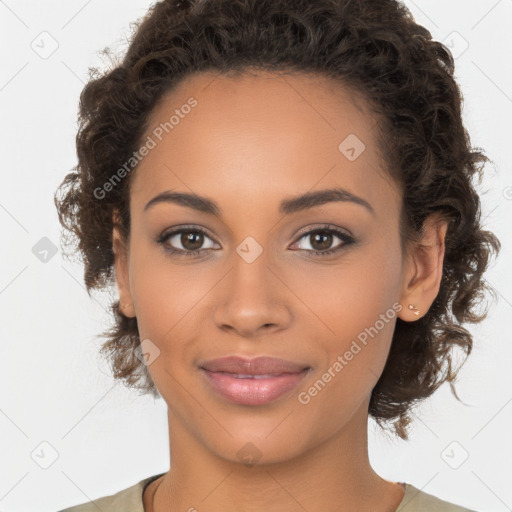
(334, 474)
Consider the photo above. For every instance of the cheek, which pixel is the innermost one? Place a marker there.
(169, 300)
(166, 294)
(355, 305)
(354, 291)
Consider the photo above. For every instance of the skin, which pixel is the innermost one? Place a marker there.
(251, 142)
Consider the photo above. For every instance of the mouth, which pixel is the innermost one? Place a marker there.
(253, 389)
(263, 365)
(238, 376)
(252, 382)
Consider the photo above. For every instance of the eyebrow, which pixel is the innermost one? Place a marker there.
(287, 206)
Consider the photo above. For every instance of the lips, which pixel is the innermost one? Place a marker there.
(252, 381)
(259, 366)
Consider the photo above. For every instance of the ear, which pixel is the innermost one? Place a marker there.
(423, 269)
(120, 249)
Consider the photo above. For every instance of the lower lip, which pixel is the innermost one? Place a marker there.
(253, 391)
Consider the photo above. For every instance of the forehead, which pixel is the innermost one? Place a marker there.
(260, 133)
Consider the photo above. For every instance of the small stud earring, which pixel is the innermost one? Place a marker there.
(414, 309)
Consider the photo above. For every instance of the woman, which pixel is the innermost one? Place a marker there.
(282, 192)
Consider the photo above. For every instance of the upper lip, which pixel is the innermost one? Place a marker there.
(256, 366)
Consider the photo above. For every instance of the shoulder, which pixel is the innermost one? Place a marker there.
(415, 500)
(126, 500)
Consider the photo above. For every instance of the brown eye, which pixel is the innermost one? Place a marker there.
(191, 240)
(186, 241)
(321, 241)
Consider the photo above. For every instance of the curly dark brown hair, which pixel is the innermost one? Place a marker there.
(372, 46)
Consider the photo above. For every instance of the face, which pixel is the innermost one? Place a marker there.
(317, 281)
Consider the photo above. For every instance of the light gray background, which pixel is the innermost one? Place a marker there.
(56, 390)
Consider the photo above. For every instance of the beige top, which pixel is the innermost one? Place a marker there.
(130, 500)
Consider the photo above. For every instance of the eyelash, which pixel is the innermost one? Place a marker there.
(347, 240)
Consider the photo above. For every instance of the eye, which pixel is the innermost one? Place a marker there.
(191, 240)
(321, 239)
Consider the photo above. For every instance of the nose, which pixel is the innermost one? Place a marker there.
(252, 299)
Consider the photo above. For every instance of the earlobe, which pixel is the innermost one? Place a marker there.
(120, 251)
(424, 270)
(414, 309)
